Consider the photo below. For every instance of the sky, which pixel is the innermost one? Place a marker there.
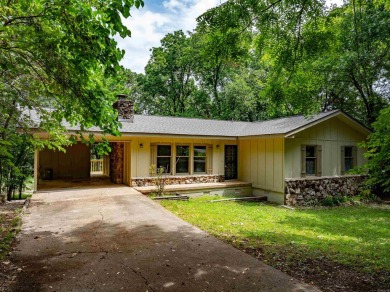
(151, 23)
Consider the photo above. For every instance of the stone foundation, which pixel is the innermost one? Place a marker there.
(116, 162)
(311, 191)
(177, 180)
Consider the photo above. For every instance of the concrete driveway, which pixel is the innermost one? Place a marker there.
(113, 238)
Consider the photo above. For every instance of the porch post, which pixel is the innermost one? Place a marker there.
(36, 169)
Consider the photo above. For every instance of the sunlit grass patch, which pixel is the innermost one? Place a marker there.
(357, 236)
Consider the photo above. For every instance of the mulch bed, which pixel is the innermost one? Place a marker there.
(8, 215)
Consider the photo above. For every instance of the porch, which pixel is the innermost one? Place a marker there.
(226, 188)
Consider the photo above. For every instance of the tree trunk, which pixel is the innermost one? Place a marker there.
(20, 190)
(10, 192)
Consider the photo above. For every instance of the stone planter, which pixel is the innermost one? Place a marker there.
(177, 180)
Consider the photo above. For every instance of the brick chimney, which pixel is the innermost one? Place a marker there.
(125, 108)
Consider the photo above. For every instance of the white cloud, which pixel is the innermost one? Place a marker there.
(149, 27)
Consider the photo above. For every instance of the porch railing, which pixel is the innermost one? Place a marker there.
(96, 165)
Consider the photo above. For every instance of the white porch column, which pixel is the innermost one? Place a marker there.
(36, 169)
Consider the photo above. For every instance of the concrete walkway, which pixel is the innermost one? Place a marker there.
(112, 238)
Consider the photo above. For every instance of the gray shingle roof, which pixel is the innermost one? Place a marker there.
(160, 125)
(204, 127)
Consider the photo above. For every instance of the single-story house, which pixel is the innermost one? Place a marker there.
(290, 160)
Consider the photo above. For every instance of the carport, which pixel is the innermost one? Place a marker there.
(76, 166)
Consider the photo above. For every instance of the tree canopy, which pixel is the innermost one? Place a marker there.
(58, 57)
(253, 60)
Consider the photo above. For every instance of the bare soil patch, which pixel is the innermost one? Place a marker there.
(322, 272)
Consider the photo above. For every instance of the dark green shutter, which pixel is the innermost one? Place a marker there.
(342, 157)
(319, 160)
(303, 160)
(354, 157)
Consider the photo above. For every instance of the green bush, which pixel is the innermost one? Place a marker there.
(330, 201)
(378, 155)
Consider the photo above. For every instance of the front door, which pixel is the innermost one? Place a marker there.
(230, 161)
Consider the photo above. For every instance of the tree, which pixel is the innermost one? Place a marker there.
(317, 58)
(169, 80)
(378, 155)
(217, 54)
(57, 58)
(359, 56)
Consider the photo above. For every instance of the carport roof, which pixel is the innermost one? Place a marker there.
(161, 125)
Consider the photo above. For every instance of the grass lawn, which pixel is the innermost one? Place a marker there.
(357, 237)
(24, 196)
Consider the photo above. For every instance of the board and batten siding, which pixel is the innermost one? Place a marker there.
(74, 163)
(260, 162)
(142, 158)
(331, 134)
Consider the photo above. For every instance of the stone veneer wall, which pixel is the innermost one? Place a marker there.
(116, 162)
(178, 180)
(311, 191)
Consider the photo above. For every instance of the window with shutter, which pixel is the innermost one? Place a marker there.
(311, 164)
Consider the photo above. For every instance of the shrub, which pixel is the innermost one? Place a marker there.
(159, 181)
(378, 155)
(328, 201)
(331, 201)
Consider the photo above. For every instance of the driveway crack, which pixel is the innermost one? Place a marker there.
(96, 241)
(139, 274)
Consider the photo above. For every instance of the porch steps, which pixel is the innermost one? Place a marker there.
(242, 199)
(177, 198)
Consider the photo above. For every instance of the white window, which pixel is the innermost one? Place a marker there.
(182, 159)
(164, 154)
(200, 154)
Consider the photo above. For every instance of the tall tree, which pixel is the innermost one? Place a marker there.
(169, 77)
(56, 57)
(217, 54)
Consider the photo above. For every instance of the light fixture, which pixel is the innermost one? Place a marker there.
(141, 145)
(217, 147)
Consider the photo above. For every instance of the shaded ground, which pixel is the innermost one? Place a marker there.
(321, 271)
(336, 249)
(9, 226)
(113, 238)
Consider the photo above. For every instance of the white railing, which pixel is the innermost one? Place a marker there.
(96, 165)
